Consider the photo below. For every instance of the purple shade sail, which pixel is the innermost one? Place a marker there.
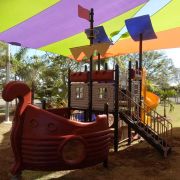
(61, 21)
(140, 25)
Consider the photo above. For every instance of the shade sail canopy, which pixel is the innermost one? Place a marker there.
(144, 28)
(54, 26)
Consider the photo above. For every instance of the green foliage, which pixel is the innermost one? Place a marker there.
(3, 55)
(55, 78)
(47, 74)
(165, 94)
(3, 62)
(160, 68)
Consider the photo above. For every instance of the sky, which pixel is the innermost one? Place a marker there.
(174, 54)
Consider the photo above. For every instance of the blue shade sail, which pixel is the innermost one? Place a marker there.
(100, 35)
(140, 25)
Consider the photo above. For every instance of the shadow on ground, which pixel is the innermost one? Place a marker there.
(139, 161)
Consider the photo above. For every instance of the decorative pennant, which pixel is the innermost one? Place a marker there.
(89, 49)
(76, 51)
(83, 13)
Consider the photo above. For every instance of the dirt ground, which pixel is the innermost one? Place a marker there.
(138, 161)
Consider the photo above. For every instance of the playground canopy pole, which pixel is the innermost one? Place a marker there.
(91, 37)
(140, 51)
(129, 102)
(140, 66)
(7, 80)
(8, 75)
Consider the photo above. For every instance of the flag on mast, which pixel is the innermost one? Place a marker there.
(83, 13)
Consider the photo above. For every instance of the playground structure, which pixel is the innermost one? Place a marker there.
(123, 104)
(134, 104)
(49, 140)
(41, 139)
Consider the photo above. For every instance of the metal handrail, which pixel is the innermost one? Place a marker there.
(156, 123)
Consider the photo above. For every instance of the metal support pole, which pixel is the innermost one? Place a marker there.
(140, 51)
(98, 61)
(69, 88)
(140, 71)
(129, 103)
(116, 109)
(43, 103)
(7, 80)
(91, 63)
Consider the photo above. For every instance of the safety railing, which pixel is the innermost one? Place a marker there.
(147, 118)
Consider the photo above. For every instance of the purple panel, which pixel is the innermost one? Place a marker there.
(61, 21)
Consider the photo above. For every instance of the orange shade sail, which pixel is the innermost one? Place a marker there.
(165, 39)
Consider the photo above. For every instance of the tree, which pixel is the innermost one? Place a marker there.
(55, 78)
(3, 54)
(160, 68)
(27, 69)
(3, 62)
(165, 94)
(19, 63)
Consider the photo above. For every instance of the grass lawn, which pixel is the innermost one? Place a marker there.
(174, 115)
(138, 161)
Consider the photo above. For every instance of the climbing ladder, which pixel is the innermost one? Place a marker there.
(150, 125)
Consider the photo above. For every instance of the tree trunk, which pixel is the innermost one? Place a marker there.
(164, 108)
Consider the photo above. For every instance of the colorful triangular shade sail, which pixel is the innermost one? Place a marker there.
(88, 50)
(54, 26)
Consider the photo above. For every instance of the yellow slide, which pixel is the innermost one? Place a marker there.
(151, 100)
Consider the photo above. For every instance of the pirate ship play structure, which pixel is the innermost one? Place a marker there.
(46, 139)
